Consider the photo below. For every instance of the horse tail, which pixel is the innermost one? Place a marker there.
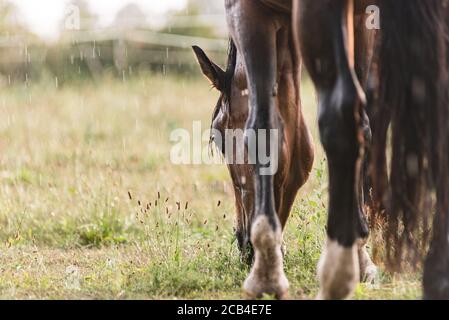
(413, 102)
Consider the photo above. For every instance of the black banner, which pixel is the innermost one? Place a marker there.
(215, 309)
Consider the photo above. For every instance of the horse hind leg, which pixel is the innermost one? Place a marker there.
(255, 38)
(328, 61)
(366, 71)
(368, 270)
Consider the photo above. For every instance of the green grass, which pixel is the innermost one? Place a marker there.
(68, 228)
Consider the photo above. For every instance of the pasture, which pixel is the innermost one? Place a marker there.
(92, 208)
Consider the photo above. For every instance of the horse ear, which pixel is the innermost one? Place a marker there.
(213, 72)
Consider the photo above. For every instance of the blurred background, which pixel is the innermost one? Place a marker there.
(80, 40)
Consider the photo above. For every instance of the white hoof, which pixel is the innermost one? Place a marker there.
(368, 270)
(338, 271)
(370, 275)
(267, 274)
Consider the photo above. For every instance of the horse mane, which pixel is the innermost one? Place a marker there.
(413, 99)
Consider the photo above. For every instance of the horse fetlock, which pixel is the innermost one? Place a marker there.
(338, 271)
(267, 274)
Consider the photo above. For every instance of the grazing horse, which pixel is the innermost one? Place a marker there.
(231, 113)
(265, 63)
(272, 39)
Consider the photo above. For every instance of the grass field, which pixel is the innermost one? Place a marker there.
(71, 156)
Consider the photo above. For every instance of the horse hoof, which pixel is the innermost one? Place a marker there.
(370, 275)
(368, 270)
(256, 289)
(267, 275)
(338, 271)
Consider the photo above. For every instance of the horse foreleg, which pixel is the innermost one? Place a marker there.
(254, 34)
(326, 50)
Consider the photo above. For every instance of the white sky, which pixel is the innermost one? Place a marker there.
(43, 16)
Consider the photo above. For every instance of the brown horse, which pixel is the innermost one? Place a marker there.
(272, 38)
(231, 113)
(296, 151)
